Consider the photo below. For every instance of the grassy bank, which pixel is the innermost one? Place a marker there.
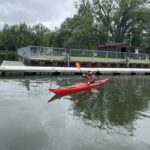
(93, 59)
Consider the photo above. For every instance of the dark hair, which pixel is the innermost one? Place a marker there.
(89, 72)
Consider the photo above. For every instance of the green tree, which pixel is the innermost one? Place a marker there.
(78, 32)
(40, 35)
(7, 38)
(23, 35)
(119, 16)
(16, 36)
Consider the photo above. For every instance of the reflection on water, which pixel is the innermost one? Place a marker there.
(115, 118)
(118, 103)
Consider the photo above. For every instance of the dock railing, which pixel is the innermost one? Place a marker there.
(107, 56)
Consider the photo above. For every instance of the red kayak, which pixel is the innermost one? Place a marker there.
(77, 87)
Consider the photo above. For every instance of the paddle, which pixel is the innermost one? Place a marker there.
(78, 66)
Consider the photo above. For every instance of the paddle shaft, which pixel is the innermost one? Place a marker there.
(78, 66)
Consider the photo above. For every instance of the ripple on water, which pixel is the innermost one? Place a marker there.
(115, 118)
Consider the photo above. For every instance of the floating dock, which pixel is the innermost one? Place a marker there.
(18, 68)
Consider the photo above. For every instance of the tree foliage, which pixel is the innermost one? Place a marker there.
(96, 22)
(120, 16)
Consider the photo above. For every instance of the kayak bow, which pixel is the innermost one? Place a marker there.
(78, 87)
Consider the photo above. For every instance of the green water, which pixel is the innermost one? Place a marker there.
(117, 118)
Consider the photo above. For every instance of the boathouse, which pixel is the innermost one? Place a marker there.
(115, 47)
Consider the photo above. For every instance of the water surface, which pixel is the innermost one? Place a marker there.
(116, 118)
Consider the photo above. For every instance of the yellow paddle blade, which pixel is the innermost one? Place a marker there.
(77, 65)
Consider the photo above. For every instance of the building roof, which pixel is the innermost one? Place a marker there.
(114, 44)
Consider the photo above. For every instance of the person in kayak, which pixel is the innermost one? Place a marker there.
(90, 77)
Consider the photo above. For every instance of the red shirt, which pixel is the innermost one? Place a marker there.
(88, 78)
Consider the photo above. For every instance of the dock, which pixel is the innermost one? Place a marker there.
(18, 68)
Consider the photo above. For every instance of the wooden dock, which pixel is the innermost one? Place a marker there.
(18, 68)
(12, 63)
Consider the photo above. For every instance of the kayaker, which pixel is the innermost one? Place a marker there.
(90, 77)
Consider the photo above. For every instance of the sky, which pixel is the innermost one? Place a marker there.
(50, 13)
